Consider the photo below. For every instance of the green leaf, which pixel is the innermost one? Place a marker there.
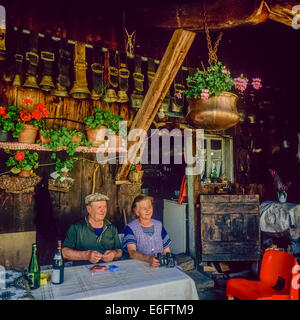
(15, 170)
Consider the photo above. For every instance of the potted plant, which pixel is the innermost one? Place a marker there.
(95, 127)
(115, 132)
(68, 138)
(212, 105)
(136, 173)
(22, 162)
(8, 119)
(30, 122)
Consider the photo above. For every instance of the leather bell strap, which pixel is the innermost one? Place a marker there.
(19, 54)
(48, 58)
(151, 70)
(191, 72)
(113, 72)
(32, 54)
(98, 69)
(138, 77)
(123, 72)
(64, 63)
(2, 43)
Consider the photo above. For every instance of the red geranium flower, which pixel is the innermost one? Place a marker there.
(39, 106)
(45, 112)
(2, 111)
(138, 167)
(25, 115)
(20, 156)
(27, 101)
(5, 116)
(36, 114)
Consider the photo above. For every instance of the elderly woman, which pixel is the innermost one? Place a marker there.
(144, 237)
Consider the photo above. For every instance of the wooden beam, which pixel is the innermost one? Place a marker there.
(281, 11)
(190, 15)
(177, 49)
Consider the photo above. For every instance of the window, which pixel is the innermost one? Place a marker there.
(218, 157)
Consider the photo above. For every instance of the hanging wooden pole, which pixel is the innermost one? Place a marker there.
(177, 49)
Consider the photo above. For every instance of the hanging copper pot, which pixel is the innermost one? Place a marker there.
(215, 113)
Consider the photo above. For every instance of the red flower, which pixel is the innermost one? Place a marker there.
(5, 116)
(45, 113)
(2, 111)
(39, 106)
(36, 114)
(138, 168)
(25, 115)
(20, 156)
(27, 101)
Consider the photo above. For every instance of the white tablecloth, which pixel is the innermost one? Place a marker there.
(134, 281)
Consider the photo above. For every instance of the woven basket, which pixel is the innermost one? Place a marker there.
(16, 184)
(136, 176)
(61, 186)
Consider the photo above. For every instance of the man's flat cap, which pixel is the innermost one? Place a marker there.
(95, 197)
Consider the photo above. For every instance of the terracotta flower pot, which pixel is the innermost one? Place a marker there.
(25, 173)
(28, 135)
(43, 139)
(96, 136)
(136, 176)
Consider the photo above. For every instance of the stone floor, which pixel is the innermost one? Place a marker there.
(207, 288)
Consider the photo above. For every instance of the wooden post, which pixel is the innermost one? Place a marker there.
(177, 49)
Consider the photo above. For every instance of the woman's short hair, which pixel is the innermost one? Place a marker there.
(137, 200)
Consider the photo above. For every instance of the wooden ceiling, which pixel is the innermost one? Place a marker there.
(90, 20)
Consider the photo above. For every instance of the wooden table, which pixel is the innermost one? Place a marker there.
(134, 281)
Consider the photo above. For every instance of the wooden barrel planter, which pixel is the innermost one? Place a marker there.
(215, 113)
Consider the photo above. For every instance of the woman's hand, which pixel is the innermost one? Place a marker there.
(153, 262)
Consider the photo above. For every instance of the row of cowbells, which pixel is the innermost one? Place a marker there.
(80, 88)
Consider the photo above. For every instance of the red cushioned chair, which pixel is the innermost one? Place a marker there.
(278, 280)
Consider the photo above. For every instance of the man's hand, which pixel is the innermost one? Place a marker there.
(94, 256)
(153, 262)
(108, 256)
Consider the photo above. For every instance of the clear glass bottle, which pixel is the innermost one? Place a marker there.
(58, 266)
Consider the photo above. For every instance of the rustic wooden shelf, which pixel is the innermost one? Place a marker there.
(37, 147)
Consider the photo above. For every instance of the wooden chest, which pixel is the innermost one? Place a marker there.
(229, 227)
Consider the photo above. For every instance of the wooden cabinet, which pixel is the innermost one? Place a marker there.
(229, 227)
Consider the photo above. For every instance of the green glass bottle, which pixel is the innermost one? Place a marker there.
(34, 270)
(58, 266)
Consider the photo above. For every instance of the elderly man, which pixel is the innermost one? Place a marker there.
(93, 238)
